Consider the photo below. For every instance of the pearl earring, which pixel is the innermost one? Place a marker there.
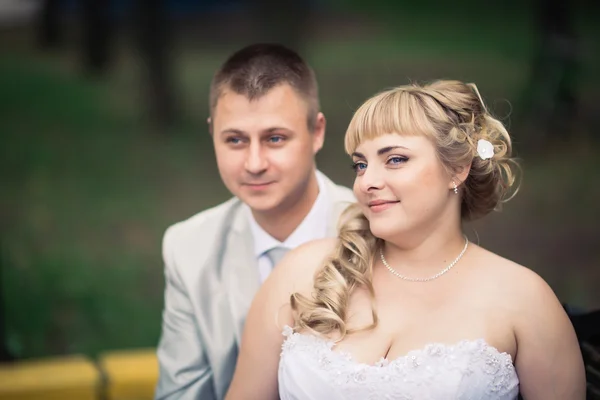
(455, 187)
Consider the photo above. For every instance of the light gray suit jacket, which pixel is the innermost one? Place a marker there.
(211, 276)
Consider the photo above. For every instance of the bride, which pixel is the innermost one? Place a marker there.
(402, 305)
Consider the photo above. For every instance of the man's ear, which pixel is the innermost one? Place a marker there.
(319, 132)
(210, 127)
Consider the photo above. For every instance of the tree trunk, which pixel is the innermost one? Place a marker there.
(49, 29)
(152, 39)
(96, 35)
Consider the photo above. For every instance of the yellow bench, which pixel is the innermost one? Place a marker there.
(69, 377)
(129, 374)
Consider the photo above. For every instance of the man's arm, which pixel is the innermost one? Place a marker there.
(184, 369)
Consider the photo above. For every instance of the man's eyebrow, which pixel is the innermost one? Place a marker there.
(277, 128)
(232, 131)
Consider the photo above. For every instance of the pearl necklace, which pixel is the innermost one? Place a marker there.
(442, 272)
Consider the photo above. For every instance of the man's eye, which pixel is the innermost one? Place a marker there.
(234, 140)
(276, 139)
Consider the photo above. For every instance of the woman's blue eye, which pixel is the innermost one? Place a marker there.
(397, 160)
(359, 166)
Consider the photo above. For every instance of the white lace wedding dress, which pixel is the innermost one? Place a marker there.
(310, 369)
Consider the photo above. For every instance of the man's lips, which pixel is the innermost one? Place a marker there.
(257, 185)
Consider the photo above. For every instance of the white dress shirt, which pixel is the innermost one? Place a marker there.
(313, 226)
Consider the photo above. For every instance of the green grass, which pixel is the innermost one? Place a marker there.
(88, 189)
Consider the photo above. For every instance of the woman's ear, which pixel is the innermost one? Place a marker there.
(460, 176)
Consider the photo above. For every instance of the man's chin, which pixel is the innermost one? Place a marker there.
(262, 205)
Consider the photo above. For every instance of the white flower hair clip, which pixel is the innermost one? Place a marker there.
(485, 149)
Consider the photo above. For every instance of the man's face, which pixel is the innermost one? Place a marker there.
(264, 150)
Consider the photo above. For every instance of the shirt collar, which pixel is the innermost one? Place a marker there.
(312, 226)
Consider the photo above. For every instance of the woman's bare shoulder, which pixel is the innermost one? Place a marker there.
(515, 283)
(313, 252)
(296, 271)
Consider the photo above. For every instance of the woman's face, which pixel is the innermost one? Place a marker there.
(401, 185)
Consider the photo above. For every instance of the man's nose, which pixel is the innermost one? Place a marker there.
(256, 159)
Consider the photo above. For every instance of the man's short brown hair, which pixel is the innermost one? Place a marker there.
(256, 69)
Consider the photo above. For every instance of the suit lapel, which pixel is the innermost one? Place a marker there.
(240, 271)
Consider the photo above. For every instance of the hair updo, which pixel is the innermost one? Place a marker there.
(452, 114)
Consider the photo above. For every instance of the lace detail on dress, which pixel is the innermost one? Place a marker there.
(465, 370)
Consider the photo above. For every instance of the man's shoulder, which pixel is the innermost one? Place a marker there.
(202, 225)
(344, 194)
(338, 193)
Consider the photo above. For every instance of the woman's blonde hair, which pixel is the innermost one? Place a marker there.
(453, 116)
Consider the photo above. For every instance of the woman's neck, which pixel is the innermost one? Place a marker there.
(423, 255)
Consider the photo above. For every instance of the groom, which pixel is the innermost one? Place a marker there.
(266, 129)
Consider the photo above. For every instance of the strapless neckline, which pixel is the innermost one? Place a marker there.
(310, 368)
(429, 348)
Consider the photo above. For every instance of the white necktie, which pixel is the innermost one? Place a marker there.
(276, 254)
